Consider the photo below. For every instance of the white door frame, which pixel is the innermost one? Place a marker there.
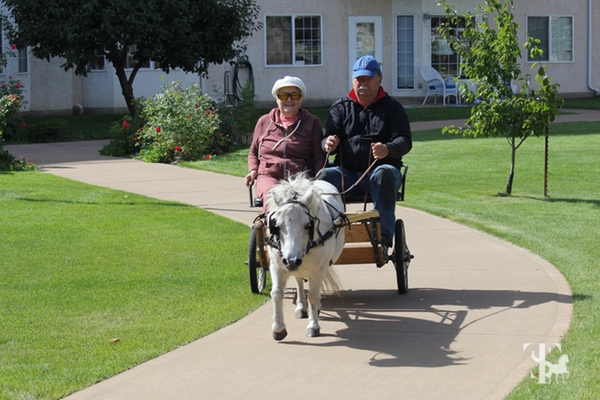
(357, 47)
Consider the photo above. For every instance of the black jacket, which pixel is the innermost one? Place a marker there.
(383, 121)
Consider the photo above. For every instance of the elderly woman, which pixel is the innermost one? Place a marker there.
(286, 141)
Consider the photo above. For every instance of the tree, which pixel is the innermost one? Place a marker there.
(490, 57)
(186, 34)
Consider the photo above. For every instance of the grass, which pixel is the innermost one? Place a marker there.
(83, 266)
(588, 103)
(460, 178)
(76, 128)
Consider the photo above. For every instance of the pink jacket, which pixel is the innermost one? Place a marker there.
(278, 153)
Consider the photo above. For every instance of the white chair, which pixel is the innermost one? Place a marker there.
(437, 85)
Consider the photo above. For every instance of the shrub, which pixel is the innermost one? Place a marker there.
(237, 122)
(10, 120)
(10, 105)
(126, 132)
(9, 163)
(180, 123)
(50, 130)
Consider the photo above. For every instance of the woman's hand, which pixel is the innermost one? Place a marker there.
(250, 178)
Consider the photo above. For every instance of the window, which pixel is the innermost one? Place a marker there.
(405, 52)
(293, 40)
(555, 35)
(23, 62)
(443, 58)
(99, 63)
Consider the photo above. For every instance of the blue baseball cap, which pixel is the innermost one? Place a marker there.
(366, 66)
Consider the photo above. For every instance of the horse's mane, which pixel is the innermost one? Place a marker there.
(295, 186)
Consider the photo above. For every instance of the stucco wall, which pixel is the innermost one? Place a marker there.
(327, 82)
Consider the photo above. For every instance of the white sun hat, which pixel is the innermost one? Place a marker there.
(289, 81)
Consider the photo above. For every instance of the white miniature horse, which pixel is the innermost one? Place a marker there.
(306, 237)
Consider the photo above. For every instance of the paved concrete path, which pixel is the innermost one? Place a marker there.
(474, 301)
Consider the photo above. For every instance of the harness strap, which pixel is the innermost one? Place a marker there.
(274, 241)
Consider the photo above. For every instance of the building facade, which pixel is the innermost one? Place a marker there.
(319, 41)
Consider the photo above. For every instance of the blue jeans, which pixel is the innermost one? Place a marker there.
(384, 183)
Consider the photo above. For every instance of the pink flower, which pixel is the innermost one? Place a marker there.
(17, 85)
(158, 129)
(125, 124)
(179, 149)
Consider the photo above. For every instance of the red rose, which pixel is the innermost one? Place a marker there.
(158, 129)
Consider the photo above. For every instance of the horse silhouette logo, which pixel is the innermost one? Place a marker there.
(548, 371)
(558, 369)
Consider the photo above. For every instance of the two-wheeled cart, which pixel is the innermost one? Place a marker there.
(363, 244)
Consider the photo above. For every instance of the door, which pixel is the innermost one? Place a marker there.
(365, 37)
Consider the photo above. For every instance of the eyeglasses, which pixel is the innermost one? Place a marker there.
(293, 95)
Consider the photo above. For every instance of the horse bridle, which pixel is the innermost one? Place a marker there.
(314, 222)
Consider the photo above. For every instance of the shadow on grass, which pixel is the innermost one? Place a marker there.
(562, 200)
(120, 203)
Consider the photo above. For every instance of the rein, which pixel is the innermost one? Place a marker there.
(345, 191)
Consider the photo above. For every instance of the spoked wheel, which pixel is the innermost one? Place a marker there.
(401, 257)
(258, 272)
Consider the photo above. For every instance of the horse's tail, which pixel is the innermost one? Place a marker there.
(331, 282)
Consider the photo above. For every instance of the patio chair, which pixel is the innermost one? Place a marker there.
(438, 85)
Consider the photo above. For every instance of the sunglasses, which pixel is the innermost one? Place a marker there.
(293, 95)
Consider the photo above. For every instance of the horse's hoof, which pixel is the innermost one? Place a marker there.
(301, 314)
(280, 335)
(313, 332)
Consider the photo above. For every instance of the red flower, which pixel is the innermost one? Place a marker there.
(125, 124)
(13, 46)
(17, 85)
(207, 157)
(158, 129)
(24, 124)
(135, 139)
(179, 149)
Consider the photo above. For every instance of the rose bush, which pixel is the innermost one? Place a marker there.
(179, 123)
(10, 104)
(10, 120)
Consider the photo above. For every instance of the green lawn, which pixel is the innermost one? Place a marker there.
(96, 281)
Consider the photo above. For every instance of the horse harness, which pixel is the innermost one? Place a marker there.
(314, 222)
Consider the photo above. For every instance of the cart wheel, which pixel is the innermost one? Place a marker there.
(402, 257)
(258, 273)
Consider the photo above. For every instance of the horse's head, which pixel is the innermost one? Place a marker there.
(292, 223)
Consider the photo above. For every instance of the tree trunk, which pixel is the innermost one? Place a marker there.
(546, 163)
(512, 168)
(126, 89)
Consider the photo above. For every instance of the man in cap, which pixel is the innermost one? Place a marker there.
(364, 127)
